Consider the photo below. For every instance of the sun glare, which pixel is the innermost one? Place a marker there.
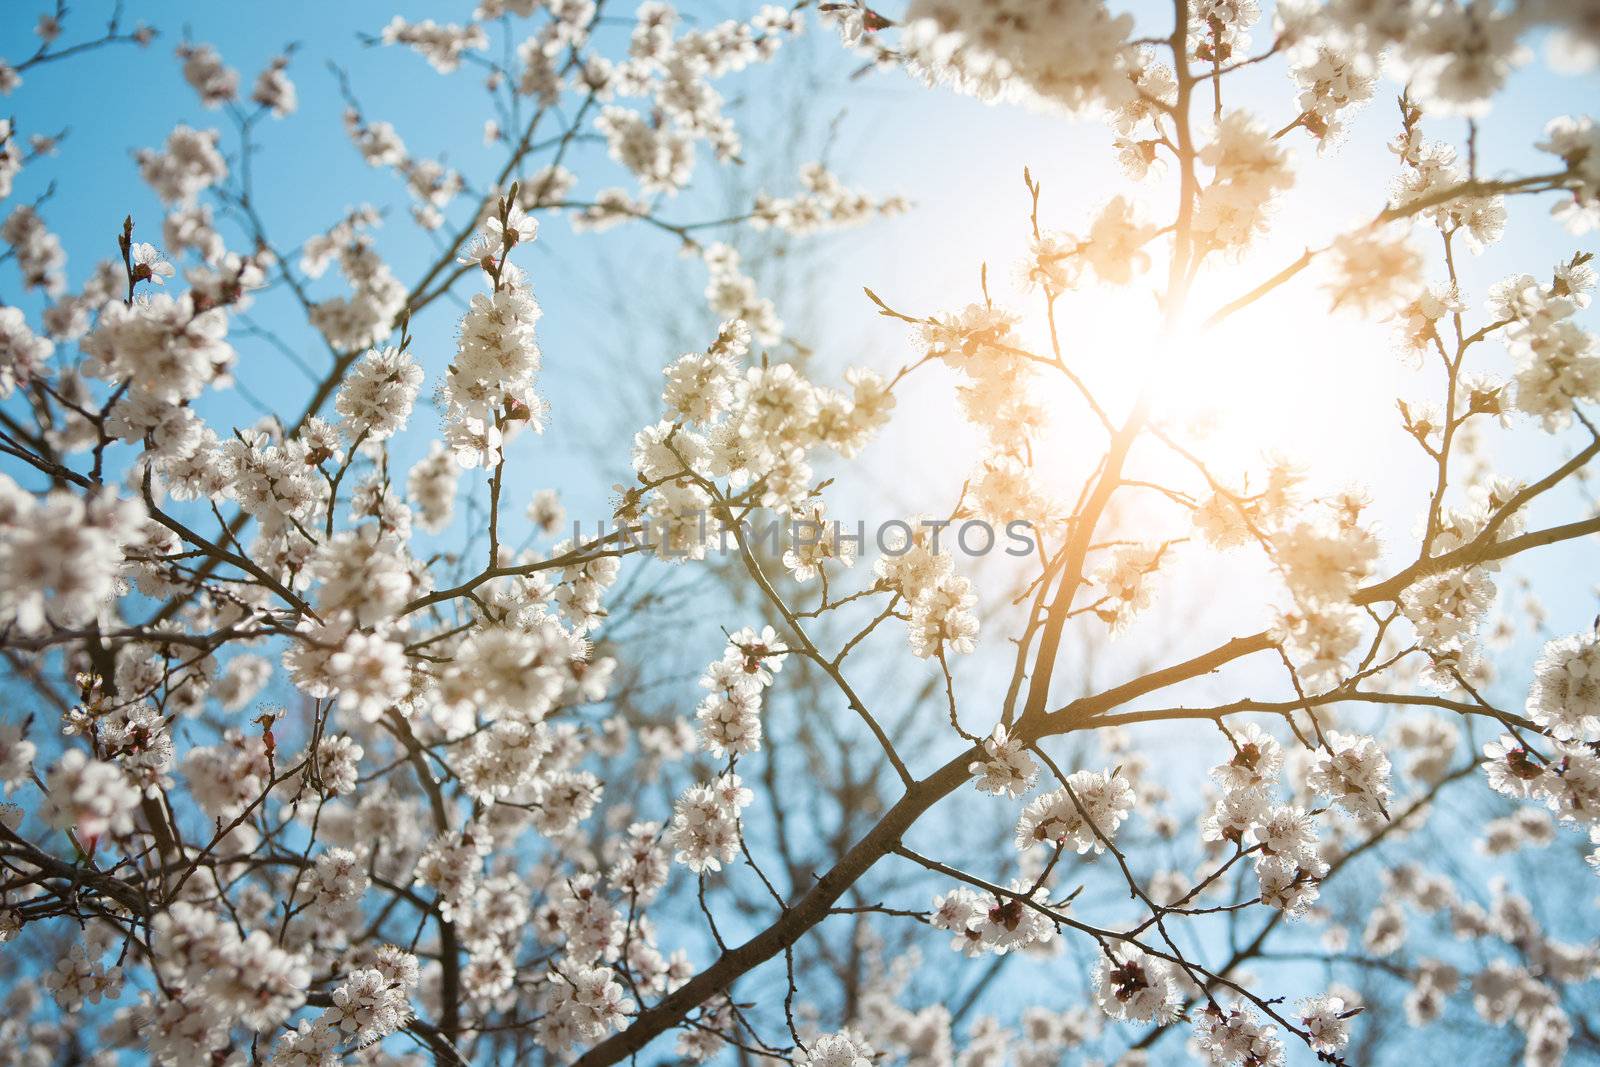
(1283, 377)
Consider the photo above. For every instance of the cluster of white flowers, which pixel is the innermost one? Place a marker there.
(1249, 170)
(674, 72)
(1446, 609)
(135, 737)
(1324, 558)
(378, 142)
(167, 350)
(1557, 361)
(1249, 815)
(1576, 142)
(991, 923)
(488, 388)
(753, 429)
(1455, 56)
(193, 228)
(1000, 396)
(1429, 169)
(1006, 767)
(1137, 120)
(1525, 828)
(734, 296)
(705, 831)
(16, 756)
(431, 488)
(11, 158)
(1218, 30)
(1083, 814)
(40, 257)
(275, 483)
(371, 1003)
(520, 671)
(60, 557)
(1565, 777)
(336, 759)
(1525, 991)
(503, 759)
(942, 620)
(22, 352)
(376, 397)
(546, 511)
(188, 166)
(362, 576)
(844, 1049)
(372, 672)
(1327, 1019)
(816, 541)
(1354, 772)
(639, 865)
(1077, 56)
(730, 714)
(339, 878)
(249, 978)
(441, 46)
(941, 601)
(452, 866)
(82, 974)
(1114, 245)
(1222, 521)
(581, 1004)
(583, 584)
(1333, 83)
(661, 158)
(1126, 579)
(274, 91)
(1133, 986)
(1565, 698)
(1236, 1036)
(214, 82)
(226, 778)
(826, 204)
(366, 316)
(583, 921)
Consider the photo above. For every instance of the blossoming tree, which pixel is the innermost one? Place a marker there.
(284, 787)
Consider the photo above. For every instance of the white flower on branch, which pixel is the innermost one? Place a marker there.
(1354, 772)
(1576, 142)
(60, 556)
(942, 619)
(582, 1004)
(705, 823)
(190, 165)
(1007, 768)
(1083, 814)
(376, 398)
(1565, 698)
(1133, 986)
(844, 1049)
(1076, 59)
(1237, 1036)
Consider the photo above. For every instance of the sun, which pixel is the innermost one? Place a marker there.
(1282, 380)
(1283, 377)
